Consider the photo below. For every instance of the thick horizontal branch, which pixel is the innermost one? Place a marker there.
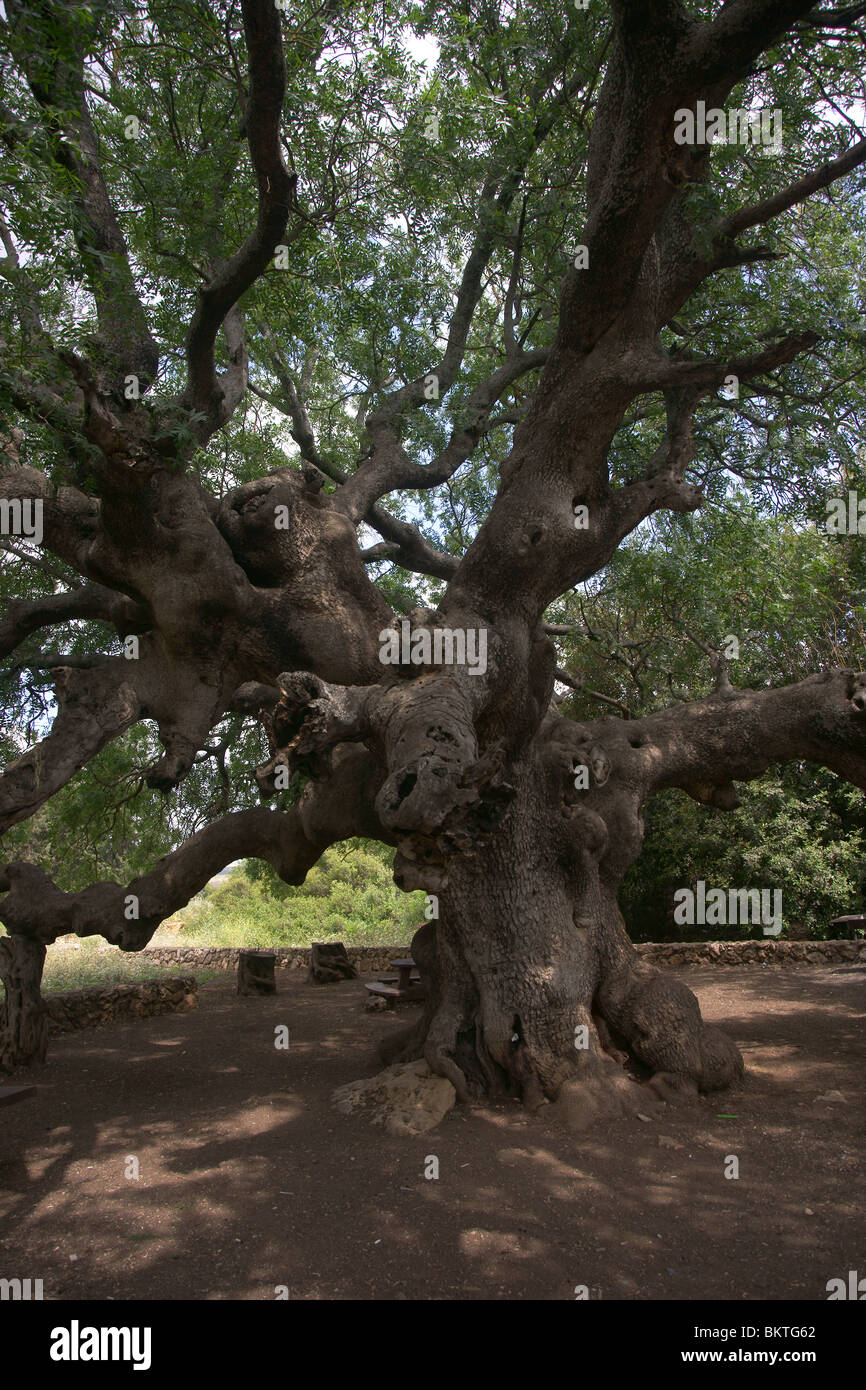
(724, 50)
(842, 18)
(665, 372)
(73, 661)
(291, 842)
(40, 403)
(128, 916)
(716, 249)
(69, 517)
(738, 735)
(24, 616)
(413, 552)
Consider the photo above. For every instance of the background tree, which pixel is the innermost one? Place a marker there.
(304, 333)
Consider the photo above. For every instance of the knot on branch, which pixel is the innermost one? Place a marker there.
(722, 795)
(29, 894)
(431, 795)
(575, 762)
(307, 721)
(855, 690)
(442, 797)
(589, 831)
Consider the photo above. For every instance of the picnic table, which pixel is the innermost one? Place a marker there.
(405, 967)
(401, 986)
(850, 924)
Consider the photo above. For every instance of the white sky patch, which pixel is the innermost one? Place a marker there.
(423, 50)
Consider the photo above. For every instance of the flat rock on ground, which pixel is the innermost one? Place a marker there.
(406, 1098)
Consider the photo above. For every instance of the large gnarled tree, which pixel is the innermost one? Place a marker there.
(255, 600)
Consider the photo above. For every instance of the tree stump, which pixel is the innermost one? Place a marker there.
(330, 963)
(23, 1021)
(256, 972)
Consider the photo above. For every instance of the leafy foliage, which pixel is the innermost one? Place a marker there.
(365, 306)
(348, 895)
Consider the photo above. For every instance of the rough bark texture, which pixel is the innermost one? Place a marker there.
(330, 963)
(23, 1022)
(532, 980)
(256, 972)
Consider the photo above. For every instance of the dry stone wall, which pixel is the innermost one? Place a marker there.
(363, 958)
(75, 1009)
(671, 954)
(667, 955)
(90, 1008)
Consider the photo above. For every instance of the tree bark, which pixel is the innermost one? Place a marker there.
(23, 1020)
(256, 972)
(534, 989)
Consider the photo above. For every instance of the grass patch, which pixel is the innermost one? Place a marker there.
(73, 964)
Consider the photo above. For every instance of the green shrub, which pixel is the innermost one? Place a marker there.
(349, 895)
(799, 829)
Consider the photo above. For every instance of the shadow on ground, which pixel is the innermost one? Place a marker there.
(249, 1180)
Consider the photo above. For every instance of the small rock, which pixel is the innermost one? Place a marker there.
(831, 1098)
(646, 1119)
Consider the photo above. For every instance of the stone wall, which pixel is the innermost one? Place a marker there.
(668, 954)
(90, 1008)
(74, 1009)
(364, 958)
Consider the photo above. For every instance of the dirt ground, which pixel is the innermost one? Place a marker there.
(249, 1179)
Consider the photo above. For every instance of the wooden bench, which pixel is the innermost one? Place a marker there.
(387, 992)
(10, 1094)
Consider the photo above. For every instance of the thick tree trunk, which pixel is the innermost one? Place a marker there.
(534, 989)
(23, 1021)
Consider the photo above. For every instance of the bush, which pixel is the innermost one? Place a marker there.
(349, 895)
(798, 829)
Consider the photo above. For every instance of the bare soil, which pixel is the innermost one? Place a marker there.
(249, 1179)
